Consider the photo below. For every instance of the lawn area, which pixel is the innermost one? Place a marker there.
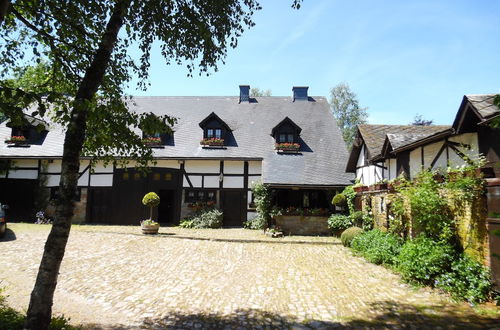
(114, 276)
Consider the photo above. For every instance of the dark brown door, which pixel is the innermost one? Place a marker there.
(167, 206)
(233, 207)
(19, 195)
(99, 203)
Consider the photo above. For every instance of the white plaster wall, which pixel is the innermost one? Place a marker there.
(253, 180)
(83, 181)
(254, 167)
(54, 166)
(232, 182)
(202, 166)
(103, 180)
(415, 162)
(370, 174)
(195, 180)
(361, 158)
(168, 163)
(233, 167)
(53, 180)
(468, 139)
(391, 168)
(25, 163)
(23, 174)
(100, 168)
(211, 182)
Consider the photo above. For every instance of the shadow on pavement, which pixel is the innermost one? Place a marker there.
(387, 315)
(8, 236)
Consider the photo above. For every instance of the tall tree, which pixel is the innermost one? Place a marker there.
(347, 112)
(88, 43)
(419, 121)
(257, 92)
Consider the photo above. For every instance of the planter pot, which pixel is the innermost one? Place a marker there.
(360, 189)
(150, 229)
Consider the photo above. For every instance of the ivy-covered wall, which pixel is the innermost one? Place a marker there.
(468, 216)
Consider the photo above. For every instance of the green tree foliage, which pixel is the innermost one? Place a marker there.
(347, 112)
(256, 92)
(88, 43)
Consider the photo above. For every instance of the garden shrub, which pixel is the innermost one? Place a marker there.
(349, 234)
(423, 259)
(256, 223)
(468, 280)
(339, 222)
(377, 246)
(339, 200)
(361, 219)
(207, 219)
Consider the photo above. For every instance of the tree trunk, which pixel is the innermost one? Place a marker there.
(40, 306)
(4, 7)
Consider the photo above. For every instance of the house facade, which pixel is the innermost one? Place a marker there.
(218, 148)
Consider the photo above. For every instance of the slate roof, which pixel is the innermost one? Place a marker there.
(484, 105)
(321, 161)
(374, 135)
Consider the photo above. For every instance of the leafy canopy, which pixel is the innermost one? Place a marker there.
(347, 112)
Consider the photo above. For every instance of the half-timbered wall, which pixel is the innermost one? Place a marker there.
(445, 153)
(366, 173)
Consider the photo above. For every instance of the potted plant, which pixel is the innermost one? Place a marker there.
(274, 232)
(211, 142)
(149, 226)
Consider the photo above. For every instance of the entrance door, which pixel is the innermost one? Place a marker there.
(234, 208)
(166, 207)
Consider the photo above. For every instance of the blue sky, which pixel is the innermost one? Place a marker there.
(400, 57)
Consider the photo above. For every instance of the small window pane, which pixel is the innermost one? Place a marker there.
(282, 138)
(290, 138)
(137, 176)
(210, 133)
(125, 176)
(191, 193)
(201, 194)
(168, 176)
(210, 195)
(156, 176)
(218, 133)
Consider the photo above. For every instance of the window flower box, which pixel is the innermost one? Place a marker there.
(212, 142)
(17, 140)
(152, 141)
(287, 147)
(360, 189)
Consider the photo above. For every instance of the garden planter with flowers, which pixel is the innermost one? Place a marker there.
(212, 142)
(149, 226)
(287, 147)
(17, 141)
(152, 142)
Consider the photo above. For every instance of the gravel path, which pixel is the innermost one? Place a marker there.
(115, 277)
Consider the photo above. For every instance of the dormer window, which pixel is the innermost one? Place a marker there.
(287, 135)
(215, 131)
(32, 132)
(155, 140)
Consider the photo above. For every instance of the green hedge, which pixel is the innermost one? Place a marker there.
(377, 246)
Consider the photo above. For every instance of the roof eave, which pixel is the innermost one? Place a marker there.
(425, 140)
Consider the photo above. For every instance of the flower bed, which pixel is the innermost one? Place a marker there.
(287, 147)
(152, 141)
(16, 140)
(212, 142)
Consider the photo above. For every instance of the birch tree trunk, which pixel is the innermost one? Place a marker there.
(40, 306)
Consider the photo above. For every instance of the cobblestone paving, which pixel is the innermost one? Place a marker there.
(115, 277)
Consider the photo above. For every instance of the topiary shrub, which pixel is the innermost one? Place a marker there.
(468, 280)
(378, 247)
(339, 200)
(349, 234)
(256, 223)
(151, 200)
(422, 260)
(339, 222)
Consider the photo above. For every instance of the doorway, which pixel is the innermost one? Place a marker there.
(233, 207)
(167, 206)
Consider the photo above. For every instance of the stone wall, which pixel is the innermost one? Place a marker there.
(470, 218)
(303, 225)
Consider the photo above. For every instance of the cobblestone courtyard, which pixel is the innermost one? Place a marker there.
(114, 277)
